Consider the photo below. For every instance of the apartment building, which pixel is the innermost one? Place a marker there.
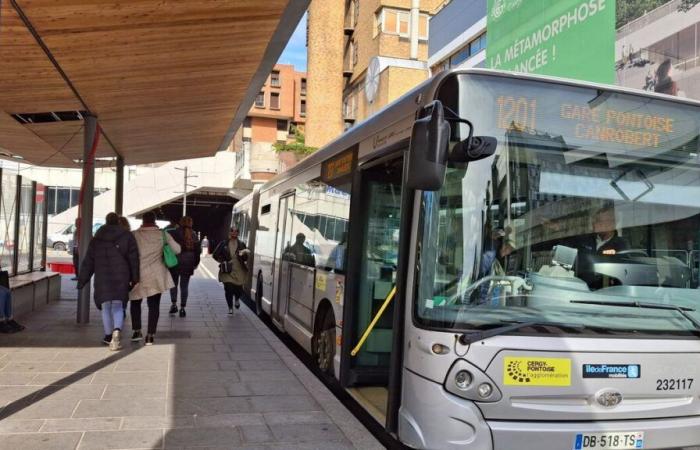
(458, 36)
(278, 112)
(363, 55)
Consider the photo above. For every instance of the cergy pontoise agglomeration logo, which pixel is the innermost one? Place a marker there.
(536, 371)
(516, 374)
(501, 7)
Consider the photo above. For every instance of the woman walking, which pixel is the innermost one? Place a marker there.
(233, 270)
(188, 260)
(155, 277)
(113, 258)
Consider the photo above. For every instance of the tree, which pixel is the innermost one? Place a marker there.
(297, 147)
(686, 5)
(628, 10)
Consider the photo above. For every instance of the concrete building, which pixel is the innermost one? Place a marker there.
(458, 36)
(278, 111)
(362, 55)
(665, 33)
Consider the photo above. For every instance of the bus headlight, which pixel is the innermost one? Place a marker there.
(463, 379)
(468, 381)
(484, 390)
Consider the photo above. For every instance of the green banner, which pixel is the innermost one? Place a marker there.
(565, 38)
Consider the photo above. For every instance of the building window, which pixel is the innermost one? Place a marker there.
(282, 125)
(353, 52)
(466, 52)
(303, 86)
(302, 109)
(274, 100)
(260, 100)
(397, 21)
(247, 122)
(275, 78)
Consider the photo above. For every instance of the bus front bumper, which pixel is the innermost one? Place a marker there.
(672, 434)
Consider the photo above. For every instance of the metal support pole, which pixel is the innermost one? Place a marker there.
(86, 208)
(184, 195)
(119, 188)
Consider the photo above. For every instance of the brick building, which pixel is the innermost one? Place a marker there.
(362, 55)
(278, 110)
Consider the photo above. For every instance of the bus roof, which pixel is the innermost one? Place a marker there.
(422, 94)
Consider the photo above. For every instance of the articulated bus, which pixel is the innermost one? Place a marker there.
(498, 261)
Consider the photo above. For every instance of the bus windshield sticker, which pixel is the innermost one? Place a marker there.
(321, 282)
(612, 371)
(531, 371)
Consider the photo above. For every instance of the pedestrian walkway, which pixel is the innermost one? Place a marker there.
(210, 381)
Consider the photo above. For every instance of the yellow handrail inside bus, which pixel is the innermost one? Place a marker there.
(377, 316)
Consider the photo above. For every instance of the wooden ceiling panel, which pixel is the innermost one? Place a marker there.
(68, 138)
(165, 77)
(16, 139)
(28, 81)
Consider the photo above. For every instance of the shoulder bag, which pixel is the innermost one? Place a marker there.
(169, 256)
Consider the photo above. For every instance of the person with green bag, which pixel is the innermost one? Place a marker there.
(157, 250)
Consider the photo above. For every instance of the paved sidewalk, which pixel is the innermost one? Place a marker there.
(210, 381)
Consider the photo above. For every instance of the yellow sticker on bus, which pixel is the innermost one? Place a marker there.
(533, 371)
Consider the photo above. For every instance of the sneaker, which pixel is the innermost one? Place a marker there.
(137, 336)
(13, 323)
(238, 303)
(230, 311)
(173, 309)
(107, 339)
(116, 342)
(182, 312)
(149, 339)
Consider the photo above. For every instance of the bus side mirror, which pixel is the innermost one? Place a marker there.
(473, 148)
(427, 156)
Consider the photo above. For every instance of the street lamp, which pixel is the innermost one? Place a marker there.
(185, 186)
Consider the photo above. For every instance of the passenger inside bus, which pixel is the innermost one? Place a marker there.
(336, 260)
(299, 253)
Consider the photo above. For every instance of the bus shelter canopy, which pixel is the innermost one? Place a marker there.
(167, 79)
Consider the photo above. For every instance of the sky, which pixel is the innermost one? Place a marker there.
(295, 52)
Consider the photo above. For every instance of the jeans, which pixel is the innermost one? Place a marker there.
(153, 313)
(184, 281)
(112, 316)
(231, 290)
(5, 303)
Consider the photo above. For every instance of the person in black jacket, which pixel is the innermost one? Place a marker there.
(113, 258)
(187, 262)
(232, 256)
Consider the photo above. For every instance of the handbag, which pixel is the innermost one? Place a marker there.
(4, 279)
(169, 256)
(226, 267)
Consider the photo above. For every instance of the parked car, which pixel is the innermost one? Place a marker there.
(60, 241)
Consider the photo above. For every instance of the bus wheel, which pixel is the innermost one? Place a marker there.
(325, 343)
(258, 296)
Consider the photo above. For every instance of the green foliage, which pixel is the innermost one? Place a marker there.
(298, 147)
(628, 10)
(686, 5)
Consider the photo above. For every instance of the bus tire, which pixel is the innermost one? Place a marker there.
(258, 295)
(324, 342)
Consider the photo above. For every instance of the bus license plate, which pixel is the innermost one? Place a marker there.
(610, 441)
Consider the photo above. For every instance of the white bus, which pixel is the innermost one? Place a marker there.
(536, 242)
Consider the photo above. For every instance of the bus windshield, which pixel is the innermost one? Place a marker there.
(590, 203)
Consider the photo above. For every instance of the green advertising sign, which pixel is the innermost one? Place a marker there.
(566, 38)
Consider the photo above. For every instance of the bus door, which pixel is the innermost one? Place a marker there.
(373, 255)
(283, 243)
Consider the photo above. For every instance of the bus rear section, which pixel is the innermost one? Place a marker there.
(553, 286)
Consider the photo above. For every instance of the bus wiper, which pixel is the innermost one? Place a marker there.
(644, 305)
(468, 338)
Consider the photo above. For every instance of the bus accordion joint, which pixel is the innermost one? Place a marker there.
(374, 321)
